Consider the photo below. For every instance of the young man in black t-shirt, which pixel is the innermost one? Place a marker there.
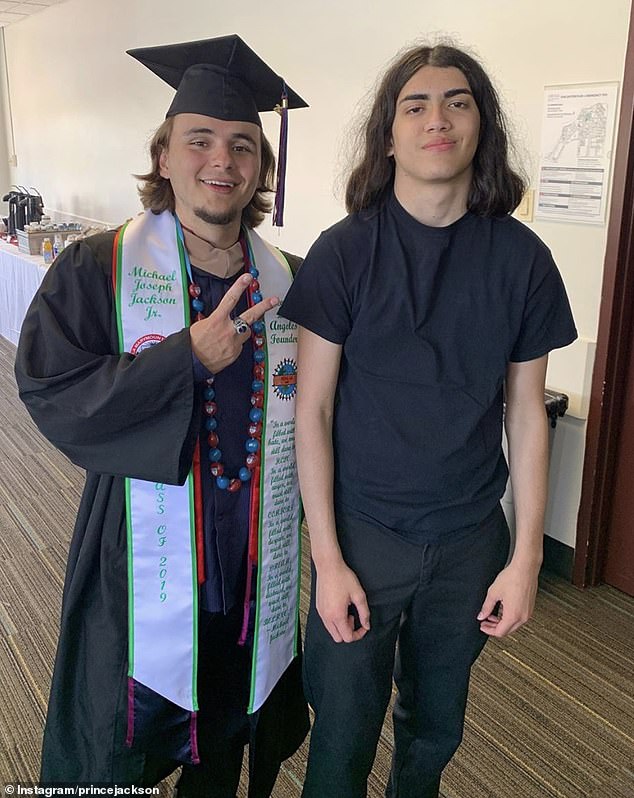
(420, 314)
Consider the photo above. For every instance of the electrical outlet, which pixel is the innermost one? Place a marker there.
(524, 210)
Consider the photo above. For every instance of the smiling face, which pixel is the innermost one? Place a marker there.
(434, 133)
(213, 166)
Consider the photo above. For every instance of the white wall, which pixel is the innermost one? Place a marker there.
(83, 111)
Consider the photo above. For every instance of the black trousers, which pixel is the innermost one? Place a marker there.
(423, 600)
(224, 726)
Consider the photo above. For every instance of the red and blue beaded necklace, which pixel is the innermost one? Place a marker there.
(210, 406)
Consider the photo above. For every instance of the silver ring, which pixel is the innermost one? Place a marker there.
(240, 325)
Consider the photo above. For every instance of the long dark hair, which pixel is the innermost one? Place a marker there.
(156, 191)
(496, 189)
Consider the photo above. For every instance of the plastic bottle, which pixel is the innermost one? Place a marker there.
(47, 251)
(58, 245)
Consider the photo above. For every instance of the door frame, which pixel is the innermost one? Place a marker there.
(615, 323)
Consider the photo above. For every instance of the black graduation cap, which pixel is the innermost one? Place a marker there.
(222, 77)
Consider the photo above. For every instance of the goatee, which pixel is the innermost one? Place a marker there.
(228, 217)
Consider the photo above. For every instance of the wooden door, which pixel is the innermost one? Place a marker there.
(618, 564)
(605, 527)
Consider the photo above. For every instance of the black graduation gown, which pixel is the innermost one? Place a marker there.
(115, 415)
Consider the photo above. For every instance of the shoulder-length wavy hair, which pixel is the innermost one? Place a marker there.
(496, 189)
(156, 191)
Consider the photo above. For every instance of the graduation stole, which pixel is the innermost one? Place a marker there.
(152, 301)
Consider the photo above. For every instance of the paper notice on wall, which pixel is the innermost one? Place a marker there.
(576, 151)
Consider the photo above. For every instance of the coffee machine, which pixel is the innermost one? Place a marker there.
(33, 206)
(25, 206)
(16, 212)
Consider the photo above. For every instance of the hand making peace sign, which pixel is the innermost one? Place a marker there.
(216, 341)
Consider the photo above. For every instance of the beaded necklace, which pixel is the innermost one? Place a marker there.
(210, 406)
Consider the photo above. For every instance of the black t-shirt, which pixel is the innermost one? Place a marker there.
(428, 319)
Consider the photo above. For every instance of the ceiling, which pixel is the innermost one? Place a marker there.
(16, 10)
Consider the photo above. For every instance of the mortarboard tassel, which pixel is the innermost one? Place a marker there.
(278, 207)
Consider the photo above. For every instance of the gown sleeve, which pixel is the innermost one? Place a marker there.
(110, 413)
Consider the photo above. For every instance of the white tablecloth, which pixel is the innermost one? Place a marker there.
(20, 277)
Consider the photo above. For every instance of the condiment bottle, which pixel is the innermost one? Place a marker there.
(47, 251)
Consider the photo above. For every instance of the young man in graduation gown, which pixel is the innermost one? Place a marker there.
(147, 357)
(420, 312)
